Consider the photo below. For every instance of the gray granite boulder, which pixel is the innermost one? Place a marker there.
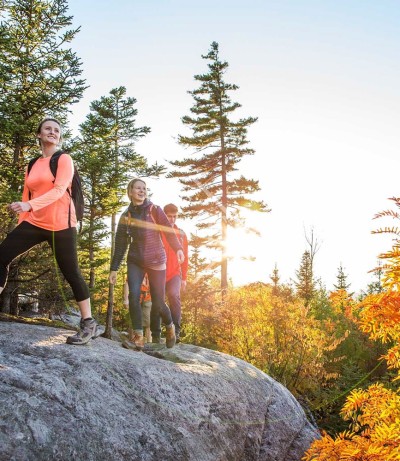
(103, 402)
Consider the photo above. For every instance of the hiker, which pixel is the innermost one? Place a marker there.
(176, 273)
(145, 302)
(139, 228)
(47, 213)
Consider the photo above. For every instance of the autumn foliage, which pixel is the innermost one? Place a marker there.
(374, 413)
(277, 334)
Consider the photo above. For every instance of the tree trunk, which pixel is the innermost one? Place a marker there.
(9, 296)
(224, 224)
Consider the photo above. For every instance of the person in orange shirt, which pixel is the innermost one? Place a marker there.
(47, 213)
(176, 273)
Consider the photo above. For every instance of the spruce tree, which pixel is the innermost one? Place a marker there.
(275, 280)
(341, 280)
(215, 193)
(305, 284)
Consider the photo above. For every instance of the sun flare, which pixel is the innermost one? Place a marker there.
(241, 244)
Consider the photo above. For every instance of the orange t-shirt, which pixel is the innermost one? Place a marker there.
(49, 198)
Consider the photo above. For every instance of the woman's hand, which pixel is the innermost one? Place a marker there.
(20, 207)
(180, 256)
(113, 277)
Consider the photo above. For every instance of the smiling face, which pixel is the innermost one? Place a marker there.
(49, 133)
(137, 191)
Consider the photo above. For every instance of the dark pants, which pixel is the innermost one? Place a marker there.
(157, 291)
(173, 291)
(63, 243)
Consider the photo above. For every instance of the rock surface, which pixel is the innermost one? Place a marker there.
(102, 402)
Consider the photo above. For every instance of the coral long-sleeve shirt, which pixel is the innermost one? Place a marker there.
(49, 198)
(173, 266)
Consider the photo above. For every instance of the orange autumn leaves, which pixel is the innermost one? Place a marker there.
(373, 413)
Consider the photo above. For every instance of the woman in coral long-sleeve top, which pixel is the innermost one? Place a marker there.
(44, 214)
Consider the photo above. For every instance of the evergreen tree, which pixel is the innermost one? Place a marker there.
(275, 280)
(376, 286)
(39, 75)
(341, 280)
(305, 284)
(215, 194)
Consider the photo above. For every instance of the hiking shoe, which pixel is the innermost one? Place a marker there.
(88, 330)
(136, 343)
(156, 340)
(170, 337)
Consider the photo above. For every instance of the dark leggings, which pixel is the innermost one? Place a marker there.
(63, 243)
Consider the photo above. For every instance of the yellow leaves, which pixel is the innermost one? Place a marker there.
(342, 302)
(380, 316)
(353, 403)
(374, 414)
(393, 359)
(277, 335)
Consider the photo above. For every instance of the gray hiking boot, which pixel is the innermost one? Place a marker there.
(88, 330)
(170, 337)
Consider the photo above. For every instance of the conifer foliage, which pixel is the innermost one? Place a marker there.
(214, 191)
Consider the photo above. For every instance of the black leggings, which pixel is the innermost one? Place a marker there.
(63, 243)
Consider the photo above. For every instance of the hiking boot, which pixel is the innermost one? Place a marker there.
(156, 340)
(88, 330)
(136, 343)
(170, 337)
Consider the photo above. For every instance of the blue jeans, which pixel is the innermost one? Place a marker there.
(173, 291)
(157, 291)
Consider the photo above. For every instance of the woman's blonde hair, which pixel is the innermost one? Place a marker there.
(131, 183)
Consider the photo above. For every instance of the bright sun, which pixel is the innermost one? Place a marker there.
(241, 244)
(242, 249)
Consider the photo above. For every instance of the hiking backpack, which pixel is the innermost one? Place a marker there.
(76, 186)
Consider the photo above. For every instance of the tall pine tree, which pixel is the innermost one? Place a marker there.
(214, 192)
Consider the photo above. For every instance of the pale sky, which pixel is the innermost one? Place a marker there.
(321, 76)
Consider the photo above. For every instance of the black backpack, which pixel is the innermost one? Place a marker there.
(76, 186)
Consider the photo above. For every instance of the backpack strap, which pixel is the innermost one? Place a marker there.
(54, 162)
(32, 161)
(53, 168)
(153, 209)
